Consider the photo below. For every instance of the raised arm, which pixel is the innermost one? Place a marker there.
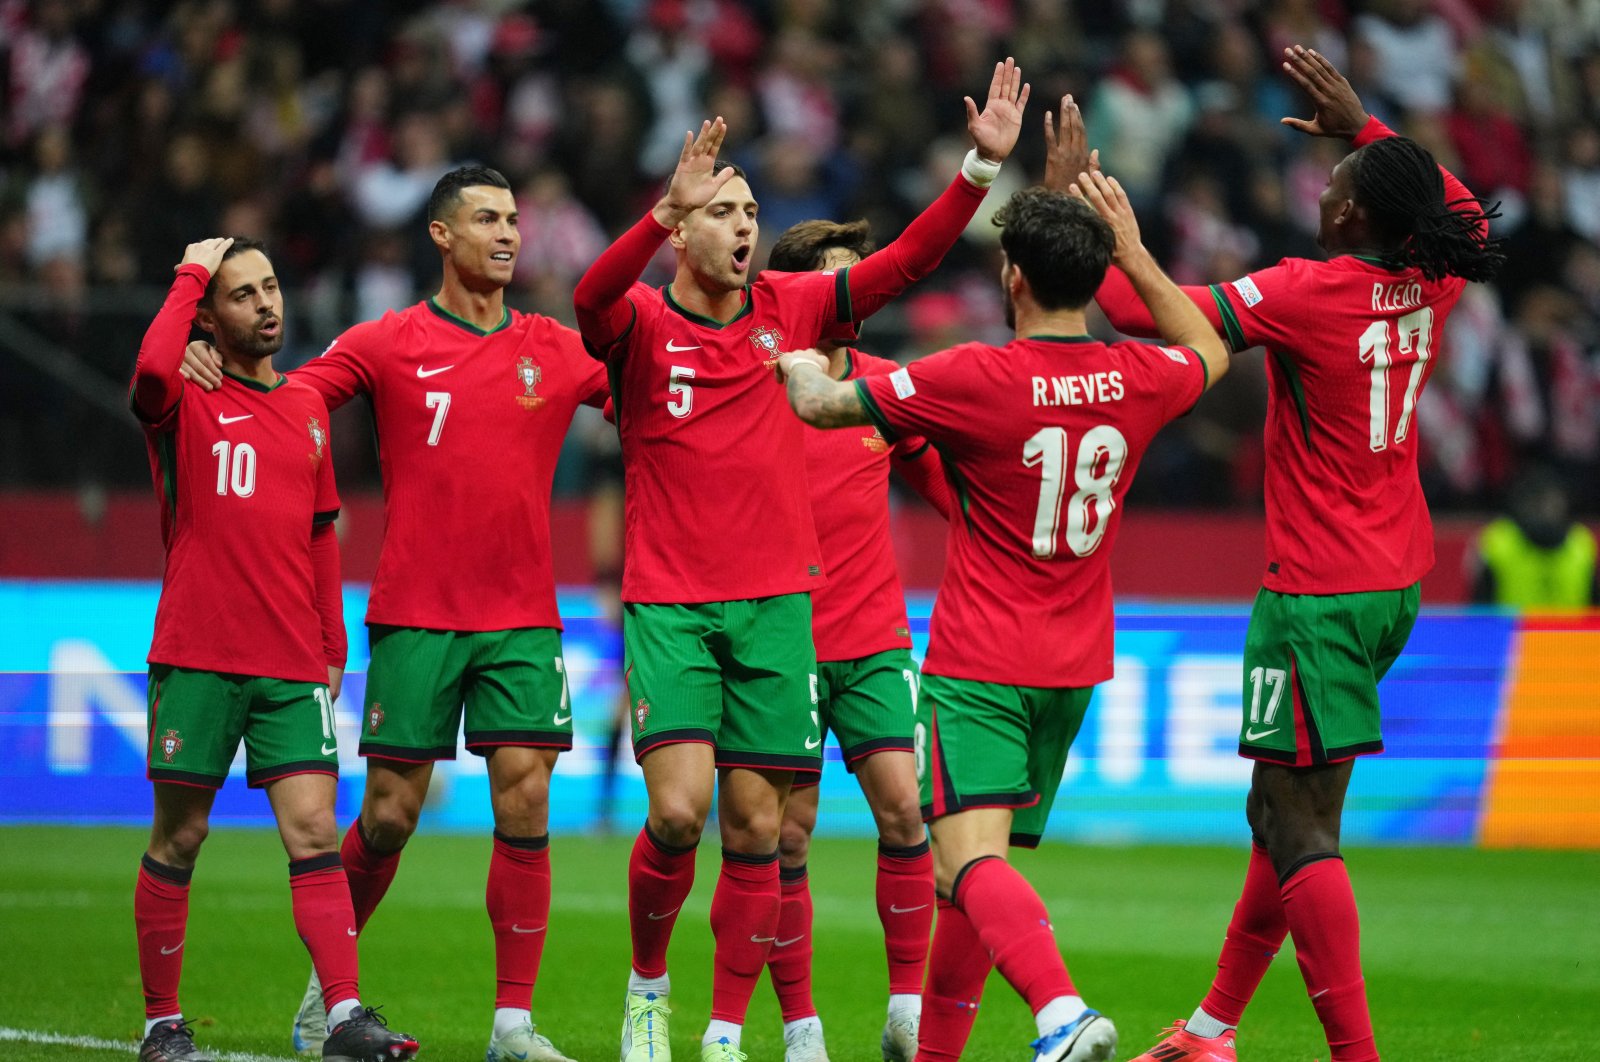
(922, 246)
(1178, 320)
(157, 377)
(601, 297)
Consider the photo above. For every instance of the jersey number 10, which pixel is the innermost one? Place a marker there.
(1413, 333)
(1101, 454)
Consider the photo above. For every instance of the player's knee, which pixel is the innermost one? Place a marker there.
(180, 845)
(311, 833)
(900, 825)
(389, 823)
(677, 823)
(794, 843)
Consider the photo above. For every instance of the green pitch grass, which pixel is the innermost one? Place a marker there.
(1469, 955)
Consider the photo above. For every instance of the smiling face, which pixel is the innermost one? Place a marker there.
(718, 240)
(245, 313)
(480, 240)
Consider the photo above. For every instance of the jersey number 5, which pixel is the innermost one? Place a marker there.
(1101, 454)
(1413, 332)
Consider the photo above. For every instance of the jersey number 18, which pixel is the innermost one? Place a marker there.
(1101, 453)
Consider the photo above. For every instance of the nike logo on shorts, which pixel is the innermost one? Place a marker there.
(1251, 735)
(561, 720)
(812, 743)
(326, 751)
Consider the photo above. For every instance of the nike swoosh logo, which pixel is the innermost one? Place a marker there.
(351, 932)
(223, 418)
(812, 743)
(1251, 735)
(518, 929)
(561, 720)
(761, 940)
(906, 910)
(518, 1054)
(786, 943)
(658, 917)
(173, 949)
(423, 374)
(673, 348)
(326, 751)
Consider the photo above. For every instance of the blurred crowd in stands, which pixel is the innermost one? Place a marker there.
(129, 129)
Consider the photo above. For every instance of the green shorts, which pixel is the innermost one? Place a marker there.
(869, 703)
(740, 676)
(987, 745)
(512, 686)
(196, 719)
(1312, 663)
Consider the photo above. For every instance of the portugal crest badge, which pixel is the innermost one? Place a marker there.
(529, 375)
(318, 436)
(171, 745)
(768, 343)
(374, 718)
(642, 712)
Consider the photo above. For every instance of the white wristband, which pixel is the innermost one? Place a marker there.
(981, 172)
(797, 364)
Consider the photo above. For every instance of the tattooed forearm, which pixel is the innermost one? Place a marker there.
(824, 402)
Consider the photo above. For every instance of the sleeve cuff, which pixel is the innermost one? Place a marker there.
(875, 414)
(1373, 130)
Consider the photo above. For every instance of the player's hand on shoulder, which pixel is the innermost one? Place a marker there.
(1338, 110)
(1066, 147)
(694, 182)
(789, 361)
(994, 130)
(202, 365)
(207, 253)
(1111, 203)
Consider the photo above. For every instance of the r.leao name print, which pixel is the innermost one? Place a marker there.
(1079, 390)
(1407, 296)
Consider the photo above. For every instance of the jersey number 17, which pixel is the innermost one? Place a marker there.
(1413, 333)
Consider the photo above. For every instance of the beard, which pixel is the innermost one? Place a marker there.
(250, 343)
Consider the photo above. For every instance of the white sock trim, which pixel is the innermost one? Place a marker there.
(508, 1018)
(639, 984)
(905, 1003)
(151, 1023)
(1062, 1010)
(718, 1030)
(1203, 1024)
(801, 1023)
(342, 1010)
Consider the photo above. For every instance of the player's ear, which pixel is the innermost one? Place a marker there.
(206, 320)
(440, 233)
(677, 237)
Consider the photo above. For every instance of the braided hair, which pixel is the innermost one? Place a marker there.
(1399, 183)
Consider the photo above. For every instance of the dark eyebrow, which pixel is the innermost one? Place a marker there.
(249, 286)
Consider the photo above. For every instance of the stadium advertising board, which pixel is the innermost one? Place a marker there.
(1489, 721)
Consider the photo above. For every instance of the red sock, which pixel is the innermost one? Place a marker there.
(659, 880)
(326, 923)
(368, 870)
(957, 968)
(789, 961)
(1321, 910)
(518, 898)
(1254, 937)
(161, 919)
(905, 907)
(744, 922)
(1013, 924)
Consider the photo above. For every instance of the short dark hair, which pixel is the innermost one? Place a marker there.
(447, 191)
(805, 244)
(723, 164)
(1061, 245)
(240, 245)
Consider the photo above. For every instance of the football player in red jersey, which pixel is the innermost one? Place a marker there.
(1040, 440)
(249, 640)
(471, 401)
(867, 681)
(1351, 342)
(721, 550)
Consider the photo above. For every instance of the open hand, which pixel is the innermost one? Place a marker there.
(994, 132)
(694, 184)
(1111, 203)
(1339, 112)
(1067, 151)
(202, 365)
(207, 253)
